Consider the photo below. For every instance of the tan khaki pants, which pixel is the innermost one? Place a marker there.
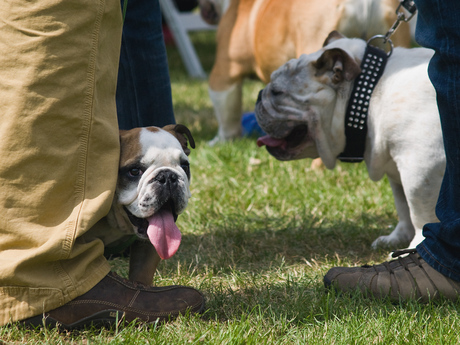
(58, 147)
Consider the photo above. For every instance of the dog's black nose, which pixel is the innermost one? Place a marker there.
(166, 177)
(259, 97)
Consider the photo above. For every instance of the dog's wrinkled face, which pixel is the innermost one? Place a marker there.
(153, 184)
(286, 111)
(299, 107)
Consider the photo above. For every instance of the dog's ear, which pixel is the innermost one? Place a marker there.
(129, 145)
(337, 61)
(182, 133)
(333, 36)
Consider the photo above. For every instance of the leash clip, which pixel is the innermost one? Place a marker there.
(409, 6)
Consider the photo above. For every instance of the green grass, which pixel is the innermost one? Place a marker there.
(258, 237)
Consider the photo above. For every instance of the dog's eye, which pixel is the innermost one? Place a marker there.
(135, 172)
(275, 92)
(186, 167)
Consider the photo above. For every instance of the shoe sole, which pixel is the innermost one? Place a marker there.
(106, 318)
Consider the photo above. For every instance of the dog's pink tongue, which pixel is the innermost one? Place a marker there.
(270, 141)
(164, 234)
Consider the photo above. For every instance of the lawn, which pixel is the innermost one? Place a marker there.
(258, 237)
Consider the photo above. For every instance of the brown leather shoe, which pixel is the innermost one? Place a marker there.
(405, 278)
(115, 299)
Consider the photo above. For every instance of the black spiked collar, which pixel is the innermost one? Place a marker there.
(372, 67)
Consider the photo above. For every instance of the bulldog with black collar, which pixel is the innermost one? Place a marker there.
(255, 37)
(303, 111)
(153, 189)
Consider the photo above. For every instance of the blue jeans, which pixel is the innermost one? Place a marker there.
(438, 27)
(144, 88)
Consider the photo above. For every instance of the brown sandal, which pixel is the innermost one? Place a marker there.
(408, 277)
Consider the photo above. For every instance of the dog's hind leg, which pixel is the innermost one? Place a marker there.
(404, 231)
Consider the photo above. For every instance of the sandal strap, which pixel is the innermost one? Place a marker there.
(400, 252)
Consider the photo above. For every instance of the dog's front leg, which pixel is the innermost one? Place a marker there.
(404, 231)
(143, 262)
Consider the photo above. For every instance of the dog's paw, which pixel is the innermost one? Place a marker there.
(220, 139)
(215, 141)
(389, 242)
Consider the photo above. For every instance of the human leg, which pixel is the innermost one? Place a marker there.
(144, 86)
(438, 27)
(60, 152)
(60, 149)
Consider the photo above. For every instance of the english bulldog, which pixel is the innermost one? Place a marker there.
(303, 111)
(153, 188)
(258, 36)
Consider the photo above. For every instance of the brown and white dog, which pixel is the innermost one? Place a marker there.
(303, 111)
(153, 189)
(258, 36)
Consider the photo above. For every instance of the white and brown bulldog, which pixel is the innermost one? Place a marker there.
(152, 190)
(303, 111)
(258, 36)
